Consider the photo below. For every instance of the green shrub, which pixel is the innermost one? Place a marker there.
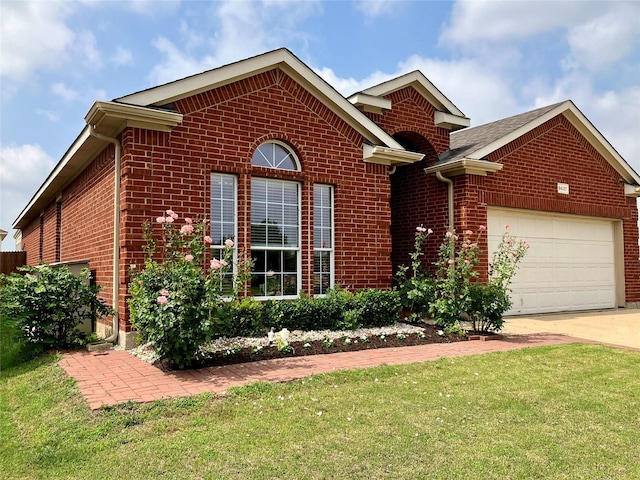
(239, 319)
(48, 303)
(311, 313)
(173, 298)
(377, 308)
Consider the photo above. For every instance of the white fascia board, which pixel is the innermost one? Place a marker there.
(631, 190)
(389, 156)
(370, 103)
(110, 118)
(450, 121)
(288, 63)
(465, 166)
(582, 124)
(422, 85)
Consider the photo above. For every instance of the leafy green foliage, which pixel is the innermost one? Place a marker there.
(239, 319)
(455, 292)
(338, 310)
(377, 308)
(173, 299)
(47, 304)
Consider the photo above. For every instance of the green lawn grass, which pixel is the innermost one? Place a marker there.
(570, 411)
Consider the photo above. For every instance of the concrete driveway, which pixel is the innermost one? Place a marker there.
(618, 326)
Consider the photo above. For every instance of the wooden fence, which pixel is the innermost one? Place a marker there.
(10, 261)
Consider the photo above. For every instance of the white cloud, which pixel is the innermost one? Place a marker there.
(606, 39)
(66, 93)
(48, 114)
(122, 57)
(376, 8)
(235, 30)
(22, 170)
(33, 35)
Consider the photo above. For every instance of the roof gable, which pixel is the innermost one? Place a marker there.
(447, 114)
(478, 142)
(285, 61)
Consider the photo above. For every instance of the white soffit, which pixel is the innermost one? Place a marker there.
(389, 156)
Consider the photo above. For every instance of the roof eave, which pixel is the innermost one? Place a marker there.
(450, 121)
(389, 156)
(464, 166)
(423, 85)
(108, 118)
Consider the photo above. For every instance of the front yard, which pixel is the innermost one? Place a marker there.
(550, 412)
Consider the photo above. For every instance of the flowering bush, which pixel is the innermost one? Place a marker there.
(454, 291)
(416, 287)
(174, 299)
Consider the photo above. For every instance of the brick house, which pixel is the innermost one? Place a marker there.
(328, 190)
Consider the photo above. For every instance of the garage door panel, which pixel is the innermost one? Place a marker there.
(569, 265)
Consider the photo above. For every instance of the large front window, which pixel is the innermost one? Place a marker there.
(275, 237)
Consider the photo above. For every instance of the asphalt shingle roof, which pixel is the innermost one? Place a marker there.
(467, 141)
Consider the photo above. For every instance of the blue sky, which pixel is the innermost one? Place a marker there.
(491, 58)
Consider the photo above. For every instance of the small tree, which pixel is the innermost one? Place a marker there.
(48, 303)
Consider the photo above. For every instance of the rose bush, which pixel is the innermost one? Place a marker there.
(174, 298)
(454, 292)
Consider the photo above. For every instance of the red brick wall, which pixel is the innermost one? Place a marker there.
(416, 199)
(220, 131)
(553, 153)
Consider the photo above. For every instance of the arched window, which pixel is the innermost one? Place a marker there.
(275, 155)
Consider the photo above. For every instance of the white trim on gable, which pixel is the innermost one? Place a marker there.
(289, 64)
(455, 118)
(582, 124)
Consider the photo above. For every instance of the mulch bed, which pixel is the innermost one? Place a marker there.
(245, 355)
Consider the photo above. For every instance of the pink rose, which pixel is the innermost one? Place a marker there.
(228, 242)
(468, 232)
(188, 258)
(186, 229)
(468, 262)
(449, 235)
(451, 262)
(223, 263)
(482, 228)
(421, 229)
(172, 214)
(215, 264)
(506, 226)
(162, 299)
(160, 220)
(429, 231)
(169, 219)
(188, 220)
(208, 239)
(164, 292)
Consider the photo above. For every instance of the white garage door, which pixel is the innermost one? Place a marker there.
(569, 266)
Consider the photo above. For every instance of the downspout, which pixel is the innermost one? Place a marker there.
(115, 287)
(449, 183)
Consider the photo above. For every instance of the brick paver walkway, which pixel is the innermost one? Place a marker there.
(114, 376)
